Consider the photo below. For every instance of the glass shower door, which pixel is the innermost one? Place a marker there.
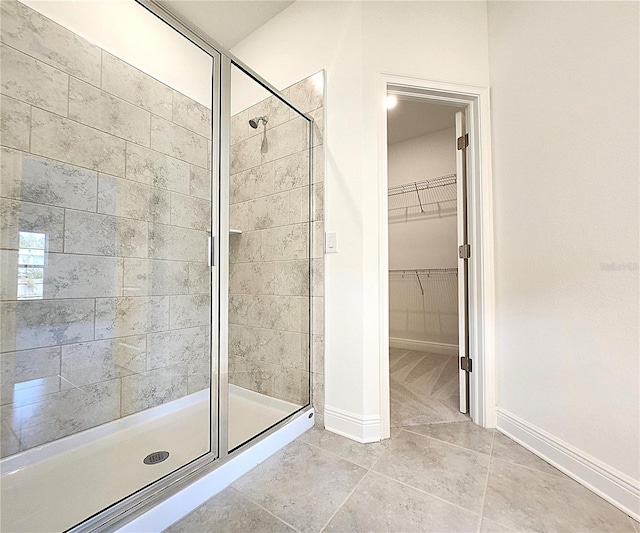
(105, 301)
(267, 235)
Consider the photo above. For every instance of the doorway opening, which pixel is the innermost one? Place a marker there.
(427, 278)
(436, 255)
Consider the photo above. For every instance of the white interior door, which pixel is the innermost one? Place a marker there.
(463, 254)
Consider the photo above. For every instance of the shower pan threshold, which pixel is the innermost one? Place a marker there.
(49, 488)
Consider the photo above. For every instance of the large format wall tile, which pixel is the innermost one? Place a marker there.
(146, 277)
(292, 385)
(142, 391)
(200, 182)
(64, 140)
(191, 115)
(33, 82)
(246, 154)
(26, 365)
(190, 212)
(82, 276)
(28, 324)
(190, 310)
(199, 278)
(90, 233)
(17, 216)
(178, 346)
(14, 123)
(96, 361)
(291, 172)
(124, 316)
(9, 438)
(49, 182)
(32, 33)
(98, 109)
(252, 183)
(307, 94)
(179, 244)
(240, 129)
(290, 137)
(127, 82)
(68, 412)
(157, 169)
(126, 198)
(11, 172)
(246, 247)
(8, 275)
(179, 142)
(286, 242)
(251, 278)
(292, 278)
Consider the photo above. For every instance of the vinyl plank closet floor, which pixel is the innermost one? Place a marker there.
(433, 477)
(423, 388)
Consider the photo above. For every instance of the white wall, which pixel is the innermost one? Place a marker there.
(565, 109)
(356, 42)
(133, 34)
(428, 241)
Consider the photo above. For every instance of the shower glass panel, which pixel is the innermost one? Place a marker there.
(269, 266)
(105, 300)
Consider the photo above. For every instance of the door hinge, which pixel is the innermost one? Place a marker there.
(464, 251)
(465, 364)
(463, 141)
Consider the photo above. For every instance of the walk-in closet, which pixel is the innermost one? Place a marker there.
(423, 263)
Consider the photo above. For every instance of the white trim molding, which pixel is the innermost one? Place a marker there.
(482, 396)
(614, 486)
(363, 429)
(423, 346)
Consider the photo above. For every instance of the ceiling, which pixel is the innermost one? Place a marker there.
(414, 118)
(227, 21)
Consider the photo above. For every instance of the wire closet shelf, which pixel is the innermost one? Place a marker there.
(423, 193)
(415, 273)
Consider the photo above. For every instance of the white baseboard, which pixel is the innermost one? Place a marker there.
(423, 346)
(614, 486)
(182, 503)
(363, 429)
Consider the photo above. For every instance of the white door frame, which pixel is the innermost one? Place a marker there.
(482, 396)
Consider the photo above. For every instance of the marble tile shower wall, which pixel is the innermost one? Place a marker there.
(111, 166)
(269, 278)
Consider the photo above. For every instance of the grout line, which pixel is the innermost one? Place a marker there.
(427, 493)
(344, 501)
(368, 469)
(563, 477)
(486, 483)
(246, 497)
(451, 443)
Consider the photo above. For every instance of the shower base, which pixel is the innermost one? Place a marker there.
(57, 485)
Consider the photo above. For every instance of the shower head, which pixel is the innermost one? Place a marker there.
(255, 121)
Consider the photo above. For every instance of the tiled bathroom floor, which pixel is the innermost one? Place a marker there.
(439, 477)
(439, 472)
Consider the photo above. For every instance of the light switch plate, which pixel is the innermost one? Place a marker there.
(330, 243)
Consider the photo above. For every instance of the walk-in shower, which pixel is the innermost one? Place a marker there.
(154, 255)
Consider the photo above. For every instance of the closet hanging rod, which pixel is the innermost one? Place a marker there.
(414, 187)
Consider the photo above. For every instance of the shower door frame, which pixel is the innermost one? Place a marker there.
(136, 504)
